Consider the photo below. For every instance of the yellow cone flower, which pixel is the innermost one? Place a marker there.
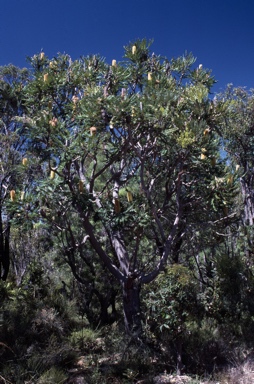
(129, 197)
(93, 131)
(12, 195)
(117, 206)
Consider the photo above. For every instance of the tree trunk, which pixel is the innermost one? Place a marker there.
(131, 306)
(179, 363)
(248, 198)
(4, 251)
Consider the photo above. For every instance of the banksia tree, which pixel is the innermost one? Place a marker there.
(147, 117)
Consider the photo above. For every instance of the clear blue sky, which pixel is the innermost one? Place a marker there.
(220, 33)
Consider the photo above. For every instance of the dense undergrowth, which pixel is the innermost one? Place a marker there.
(46, 339)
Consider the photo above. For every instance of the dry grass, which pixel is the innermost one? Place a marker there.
(241, 374)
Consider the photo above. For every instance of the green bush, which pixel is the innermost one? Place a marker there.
(171, 302)
(86, 339)
(52, 376)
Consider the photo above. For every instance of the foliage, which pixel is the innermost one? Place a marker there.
(125, 202)
(52, 376)
(172, 301)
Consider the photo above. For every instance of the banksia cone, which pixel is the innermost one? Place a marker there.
(149, 76)
(75, 99)
(12, 195)
(53, 122)
(22, 195)
(123, 92)
(203, 156)
(237, 167)
(42, 55)
(129, 196)
(45, 77)
(206, 131)
(81, 186)
(24, 161)
(93, 131)
(134, 49)
(52, 175)
(117, 206)
(52, 64)
(113, 63)
(230, 180)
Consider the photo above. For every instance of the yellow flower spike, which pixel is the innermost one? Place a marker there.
(52, 64)
(203, 156)
(53, 122)
(22, 195)
(129, 196)
(134, 49)
(81, 186)
(93, 131)
(230, 180)
(149, 76)
(42, 55)
(75, 99)
(123, 92)
(24, 161)
(45, 77)
(52, 175)
(113, 63)
(206, 131)
(12, 195)
(117, 206)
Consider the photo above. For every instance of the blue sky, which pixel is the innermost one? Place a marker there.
(220, 33)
